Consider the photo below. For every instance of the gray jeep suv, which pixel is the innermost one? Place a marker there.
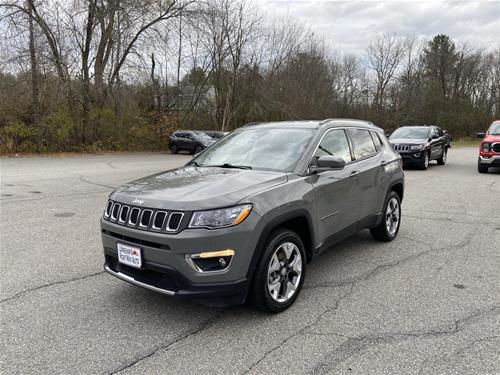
(244, 217)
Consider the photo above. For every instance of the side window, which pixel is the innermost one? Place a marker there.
(440, 132)
(362, 142)
(180, 135)
(335, 143)
(376, 140)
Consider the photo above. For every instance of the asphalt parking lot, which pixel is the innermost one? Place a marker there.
(426, 303)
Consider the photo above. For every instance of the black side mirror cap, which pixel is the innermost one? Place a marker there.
(328, 162)
(480, 135)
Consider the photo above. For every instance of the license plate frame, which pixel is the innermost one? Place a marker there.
(129, 255)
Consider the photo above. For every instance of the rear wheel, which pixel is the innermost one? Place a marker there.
(280, 273)
(482, 168)
(388, 228)
(442, 159)
(424, 162)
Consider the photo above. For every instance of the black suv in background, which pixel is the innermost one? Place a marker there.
(189, 140)
(418, 145)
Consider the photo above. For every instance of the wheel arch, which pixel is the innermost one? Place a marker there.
(299, 221)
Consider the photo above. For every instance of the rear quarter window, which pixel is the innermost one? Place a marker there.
(362, 142)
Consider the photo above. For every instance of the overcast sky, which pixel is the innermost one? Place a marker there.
(348, 25)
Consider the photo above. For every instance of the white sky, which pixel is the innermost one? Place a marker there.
(349, 25)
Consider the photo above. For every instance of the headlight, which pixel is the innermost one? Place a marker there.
(485, 147)
(224, 217)
(417, 147)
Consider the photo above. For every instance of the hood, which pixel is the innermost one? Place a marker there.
(491, 138)
(401, 141)
(196, 188)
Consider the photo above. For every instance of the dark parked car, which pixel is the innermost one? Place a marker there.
(418, 145)
(245, 216)
(189, 140)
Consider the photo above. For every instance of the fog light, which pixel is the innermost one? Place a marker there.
(417, 155)
(211, 261)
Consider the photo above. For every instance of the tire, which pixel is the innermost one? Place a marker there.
(388, 228)
(197, 150)
(482, 168)
(424, 163)
(173, 149)
(442, 159)
(287, 273)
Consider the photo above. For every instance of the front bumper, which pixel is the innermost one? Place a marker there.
(166, 270)
(411, 157)
(492, 161)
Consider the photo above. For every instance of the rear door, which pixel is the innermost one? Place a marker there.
(437, 141)
(337, 198)
(369, 170)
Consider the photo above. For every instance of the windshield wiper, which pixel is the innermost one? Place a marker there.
(227, 165)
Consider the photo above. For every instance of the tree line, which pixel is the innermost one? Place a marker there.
(123, 74)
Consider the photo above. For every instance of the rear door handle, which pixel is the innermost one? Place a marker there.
(383, 163)
(354, 174)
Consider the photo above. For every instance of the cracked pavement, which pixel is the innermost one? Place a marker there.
(426, 303)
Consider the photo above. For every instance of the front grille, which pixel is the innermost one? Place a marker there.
(143, 218)
(496, 147)
(401, 147)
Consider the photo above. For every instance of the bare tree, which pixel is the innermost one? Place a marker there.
(385, 54)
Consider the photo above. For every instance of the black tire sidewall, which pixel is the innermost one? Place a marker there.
(262, 298)
(174, 149)
(380, 232)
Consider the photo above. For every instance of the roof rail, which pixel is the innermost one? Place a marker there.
(326, 121)
(251, 123)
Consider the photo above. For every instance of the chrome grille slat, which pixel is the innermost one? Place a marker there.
(115, 211)
(109, 206)
(122, 218)
(157, 220)
(154, 226)
(145, 212)
(174, 228)
(132, 211)
(402, 147)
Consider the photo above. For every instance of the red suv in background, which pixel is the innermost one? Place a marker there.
(489, 152)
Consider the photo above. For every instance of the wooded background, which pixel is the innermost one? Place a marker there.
(85, 75)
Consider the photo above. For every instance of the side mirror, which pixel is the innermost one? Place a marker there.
(480, 135)
(435, 136)
(328, 162)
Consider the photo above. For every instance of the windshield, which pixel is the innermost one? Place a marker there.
(410, 133)
(495, 128)
(267, 149)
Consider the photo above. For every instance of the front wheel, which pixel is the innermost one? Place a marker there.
(424, 162)
(388, 228)
(280, 274)
(173, 149)
(442, 159)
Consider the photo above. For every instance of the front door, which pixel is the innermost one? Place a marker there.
(337, 191)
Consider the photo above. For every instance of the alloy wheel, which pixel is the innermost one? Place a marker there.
(392, 215)
(284, 272)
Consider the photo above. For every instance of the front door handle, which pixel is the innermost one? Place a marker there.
(383, 163)
(354, 174)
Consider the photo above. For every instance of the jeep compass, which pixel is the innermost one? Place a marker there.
(244, 218)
